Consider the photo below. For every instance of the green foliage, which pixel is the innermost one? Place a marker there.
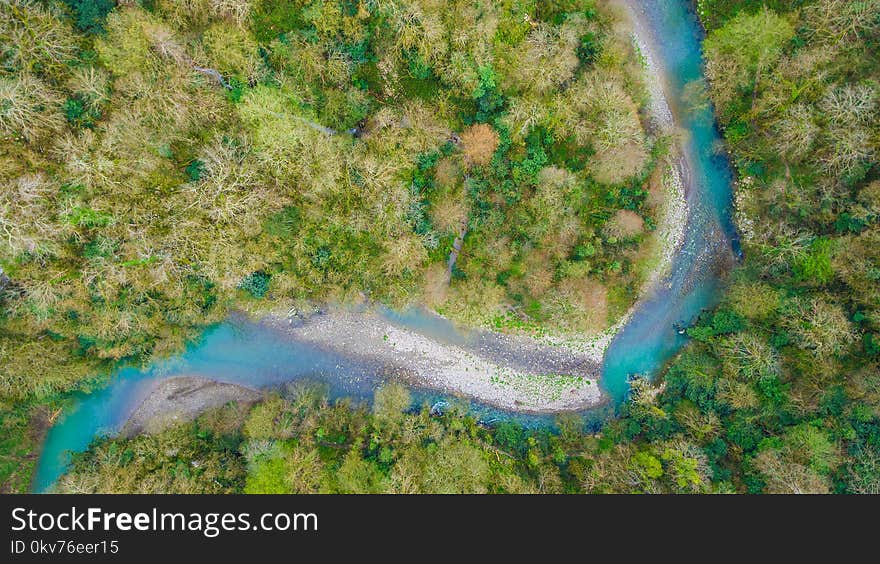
(268, 475)
(168, 162)
(264, 419)
(786, 85)
(714, 13)
(199, 457)
(256, 284)
(303, 444)
(815, 266)
(685, 470)
(285, 470)
(743, 50)
(90, 14)
(812, 447)
(755, 41)
(390, 401)
(721, 322)
(195, 170)
(589, 48)
(143, 199)
(271, 19)
(79, 113)
(24, 427)
(556, 11)
(284, 224)
(648, 465)
(89, 218)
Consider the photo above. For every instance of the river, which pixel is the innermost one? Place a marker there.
(258, 355)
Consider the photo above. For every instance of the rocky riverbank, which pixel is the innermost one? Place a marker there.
(507, 371)
(182, 399)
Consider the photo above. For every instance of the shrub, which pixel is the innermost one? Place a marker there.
(256, 284)
(479, 142)
(91, 14)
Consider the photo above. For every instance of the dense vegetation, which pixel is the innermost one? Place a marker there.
(779, 390)
(301, 444)
(783, 380)
(166, 161)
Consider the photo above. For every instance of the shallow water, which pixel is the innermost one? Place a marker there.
(651, 338)
(257, 355)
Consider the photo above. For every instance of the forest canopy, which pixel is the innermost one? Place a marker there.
(143, 197)
(166, 162)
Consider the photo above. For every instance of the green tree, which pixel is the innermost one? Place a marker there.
(745, 48)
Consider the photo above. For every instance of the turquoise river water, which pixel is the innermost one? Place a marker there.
(258, 355)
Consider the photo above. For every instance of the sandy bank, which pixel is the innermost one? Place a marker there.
(182, 399)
